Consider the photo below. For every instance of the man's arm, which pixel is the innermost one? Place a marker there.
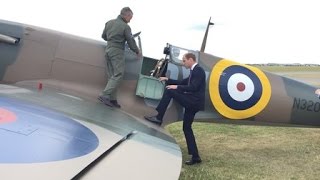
(130, 40)
(198, 76)
(172, 84)
(104, 34)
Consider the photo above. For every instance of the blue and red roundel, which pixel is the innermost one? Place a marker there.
(32, 134)
(238, 91)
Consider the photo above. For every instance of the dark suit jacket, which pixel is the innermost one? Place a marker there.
(195, 91)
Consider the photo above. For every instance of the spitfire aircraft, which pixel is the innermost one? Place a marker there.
(53, 127)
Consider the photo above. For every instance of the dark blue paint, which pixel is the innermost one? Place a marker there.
(42, 135)
(225, 96)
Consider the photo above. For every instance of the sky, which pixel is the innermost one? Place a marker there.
(246, 31)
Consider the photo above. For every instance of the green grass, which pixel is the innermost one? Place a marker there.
(251, 152)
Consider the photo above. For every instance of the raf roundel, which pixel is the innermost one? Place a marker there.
(238, 91)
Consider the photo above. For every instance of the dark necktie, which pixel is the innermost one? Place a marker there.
(190, 77)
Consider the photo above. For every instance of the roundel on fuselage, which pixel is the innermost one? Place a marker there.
(238, 91)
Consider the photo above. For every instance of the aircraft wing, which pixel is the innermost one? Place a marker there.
(49, 134)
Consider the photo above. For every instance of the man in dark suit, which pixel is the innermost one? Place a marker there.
(189, 93)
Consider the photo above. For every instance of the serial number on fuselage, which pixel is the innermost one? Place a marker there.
(306, 105)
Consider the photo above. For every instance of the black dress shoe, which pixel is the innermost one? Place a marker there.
(106, 101)
(153, 119)
(193, 161)
(115, 103)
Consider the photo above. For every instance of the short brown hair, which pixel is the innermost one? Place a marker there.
(191, 55)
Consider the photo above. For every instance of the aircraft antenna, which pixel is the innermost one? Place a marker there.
(104, 154)
(203, 46)
(139, 40)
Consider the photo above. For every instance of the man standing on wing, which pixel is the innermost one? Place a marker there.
(117, 32)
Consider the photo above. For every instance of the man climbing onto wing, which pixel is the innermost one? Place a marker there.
(189, 93)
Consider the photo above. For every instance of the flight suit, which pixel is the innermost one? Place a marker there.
(116, 32)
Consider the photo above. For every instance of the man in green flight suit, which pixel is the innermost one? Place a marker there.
(117, 32)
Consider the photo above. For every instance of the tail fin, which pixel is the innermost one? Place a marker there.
(203, 46)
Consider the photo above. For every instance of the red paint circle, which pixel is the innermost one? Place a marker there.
(241, 86)
(6, 116)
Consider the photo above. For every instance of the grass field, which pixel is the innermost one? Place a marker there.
(251, 152)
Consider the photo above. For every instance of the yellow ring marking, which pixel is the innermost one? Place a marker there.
(218, 103)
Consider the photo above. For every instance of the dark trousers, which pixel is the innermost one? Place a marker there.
(185, 101)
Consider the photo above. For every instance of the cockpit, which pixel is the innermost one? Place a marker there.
(171, 66)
